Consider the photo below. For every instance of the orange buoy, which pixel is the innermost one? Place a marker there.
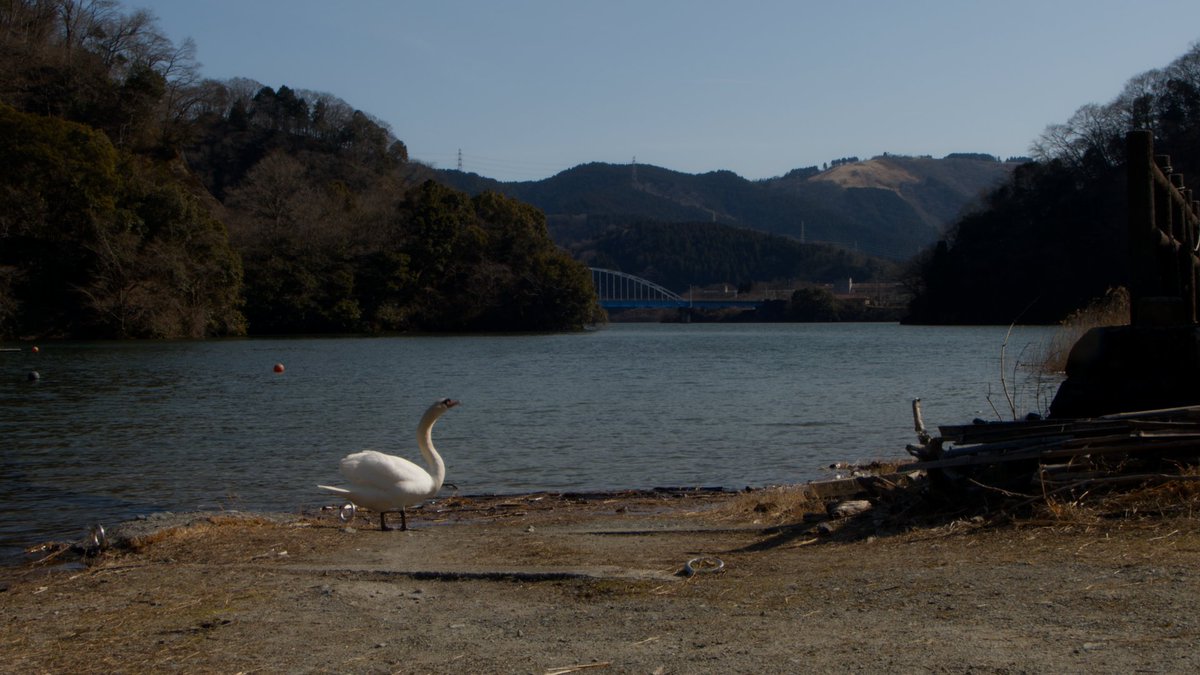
(279, 367)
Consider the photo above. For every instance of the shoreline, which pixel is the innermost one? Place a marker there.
(120, 534)
(545, 584)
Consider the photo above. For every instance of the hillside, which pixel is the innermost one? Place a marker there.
(678, 255)
(888, 206)
(936, 189)
(139, 201)
(1055, 236)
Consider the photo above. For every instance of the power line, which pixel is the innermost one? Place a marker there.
(513, 168)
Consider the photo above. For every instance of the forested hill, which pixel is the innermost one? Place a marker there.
(138, 199)
(1054, 236)
(889, 206)
(679, 255)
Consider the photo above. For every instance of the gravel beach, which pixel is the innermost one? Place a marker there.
(559, 583)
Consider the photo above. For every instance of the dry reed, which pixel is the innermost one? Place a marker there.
(1110, 310)
(1160, 496)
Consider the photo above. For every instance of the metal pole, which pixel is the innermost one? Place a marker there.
(1139, 148)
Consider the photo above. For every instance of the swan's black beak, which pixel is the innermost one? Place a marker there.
(450, 403)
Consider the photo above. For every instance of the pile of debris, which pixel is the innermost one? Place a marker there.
(1020, 463)
(1062, 455)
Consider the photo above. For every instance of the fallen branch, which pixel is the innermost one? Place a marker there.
(572, 669)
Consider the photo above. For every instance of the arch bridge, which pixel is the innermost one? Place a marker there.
(620, 290)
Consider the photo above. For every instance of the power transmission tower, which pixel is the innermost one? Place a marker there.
(460, 159)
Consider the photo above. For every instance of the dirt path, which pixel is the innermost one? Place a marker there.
(543, 584)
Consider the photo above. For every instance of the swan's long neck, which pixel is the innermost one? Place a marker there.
(437, 468)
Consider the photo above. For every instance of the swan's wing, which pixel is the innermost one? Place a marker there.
(371, 468)
(371, 497)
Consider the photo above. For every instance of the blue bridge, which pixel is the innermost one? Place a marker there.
(618, 290)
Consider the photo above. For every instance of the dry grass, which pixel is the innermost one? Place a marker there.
(1110, 310)
(224, 539)
(1157, 497)
(769, 506)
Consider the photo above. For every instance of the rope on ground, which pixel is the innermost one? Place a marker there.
(703, 565)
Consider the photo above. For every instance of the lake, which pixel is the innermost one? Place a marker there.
(112, 430)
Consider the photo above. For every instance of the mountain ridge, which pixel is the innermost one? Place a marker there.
(889, 206)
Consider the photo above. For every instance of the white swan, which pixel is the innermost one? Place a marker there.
(386, 483)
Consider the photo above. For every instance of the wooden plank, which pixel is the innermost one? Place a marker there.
(1128, 448)
(1058, 452)
(996, 431)
(1187, 411)
(1001, 448)
(989, 433)
(837, 488)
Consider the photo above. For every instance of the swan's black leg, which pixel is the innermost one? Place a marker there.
(383, 523)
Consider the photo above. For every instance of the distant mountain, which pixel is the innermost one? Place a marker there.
(681, 255)
(888, 206)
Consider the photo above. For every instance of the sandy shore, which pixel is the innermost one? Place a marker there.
(554, 584)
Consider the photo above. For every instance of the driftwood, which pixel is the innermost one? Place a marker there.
(842, 488)
(1029, 460)
(1059, 455)
(848, 508)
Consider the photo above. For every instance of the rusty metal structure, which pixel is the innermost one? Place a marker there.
(1154, 362)
(1163, 221)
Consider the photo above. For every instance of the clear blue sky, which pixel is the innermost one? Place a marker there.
(528, 88)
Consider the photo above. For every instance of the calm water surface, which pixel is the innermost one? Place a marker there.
(113, 430)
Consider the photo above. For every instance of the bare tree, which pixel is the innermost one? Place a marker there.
(1187, 67)
(1136, 101)
(119, 39)
(1091, 132)
(83, 21)
(276, 200)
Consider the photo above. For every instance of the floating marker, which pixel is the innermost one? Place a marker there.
(35, 349)
(279, 367)
(33, 376)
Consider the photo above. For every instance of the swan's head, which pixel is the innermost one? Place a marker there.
(438, 409)
(435, 411)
